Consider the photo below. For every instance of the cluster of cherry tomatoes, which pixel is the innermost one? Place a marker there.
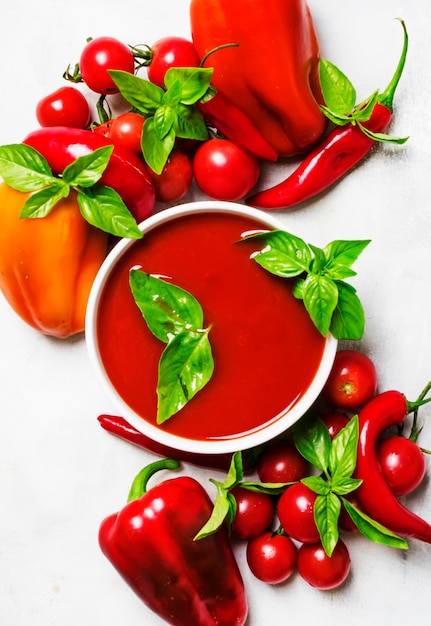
(221, 169)
(283, 538)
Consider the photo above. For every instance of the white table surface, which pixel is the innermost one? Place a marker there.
(61, 474)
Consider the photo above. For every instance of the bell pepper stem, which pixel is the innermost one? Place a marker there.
(387, 96)
(139, 484)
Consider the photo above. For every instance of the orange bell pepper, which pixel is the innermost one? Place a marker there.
(269, 66)
(48, 265)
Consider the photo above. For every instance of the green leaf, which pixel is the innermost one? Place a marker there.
(40, 203)
(140, 93)
(190, 123)
(312, 440)
(164, 120)
(235, 473)
(338, 92)
(348, 320)
(339, 120)
(86, 171)
(194, 82)
(185, 367)
(372, 530)
(344, 447)
(221, 510)
(383, 137)
(284, 254)
(341, 254)
(166, 308)
(363, 111)
(344, 486)
(320, 295)
(156, 151)
(326, 514)
(24, 169)
(317, 484)
(103, 208)
(271, 489)
(172, 97)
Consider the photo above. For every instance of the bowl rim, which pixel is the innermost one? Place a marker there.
(157, 435)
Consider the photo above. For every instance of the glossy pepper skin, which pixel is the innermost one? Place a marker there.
(151, 544)
(125, 173)
(271, 72)
(386, 409)
(47, 265)
(337, 153)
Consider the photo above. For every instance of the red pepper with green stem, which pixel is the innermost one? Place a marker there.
(151, 544)
(336, 154)
(389, 408)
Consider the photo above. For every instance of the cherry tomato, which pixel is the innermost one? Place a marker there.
(281, 463)
(99, 56)
(254, 514)
(271, 557)
(224, 171)
(66, 106)
(296, 513)
(403, 464)
(125, 130)
(352, 381)
(335, 422)
(176, 177)
(170, 52)
(320, 570)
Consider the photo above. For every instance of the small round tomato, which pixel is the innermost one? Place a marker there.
(320, 570)
(224, 171)
(335, 422)
(271, 557)
(99, 56)
(296, 513)
(403, 464)
(170, 52)
(281, 463)
(125, 130)
(66, 106)
(254, 513)
(352, 381)
(175, 179)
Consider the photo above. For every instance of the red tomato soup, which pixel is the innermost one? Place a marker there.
(265, 347)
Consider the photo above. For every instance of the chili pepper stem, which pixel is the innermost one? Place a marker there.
(415, 430)
(139, 484)
(386, 98)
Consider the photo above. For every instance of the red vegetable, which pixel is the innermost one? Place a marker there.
(125, 173)
(387, 409)
(64, 107)
(151, 544)
(335, 155)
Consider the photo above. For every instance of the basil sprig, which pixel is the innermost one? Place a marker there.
(336, 461)
(169, 113)
(23, 168)
(175, 317)
(318, 276)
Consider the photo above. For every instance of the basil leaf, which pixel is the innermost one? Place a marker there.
(172, 96)
(340, 120)
(338, 92)
(140, 93)
(156, 151)
(344, 447)
(164, 120)
(235, 473)
(221, 509)
(103, 208)
(167, 309)
(24, 169)
(194, 81)
(372, 529)
(348, 320)
(320, 297)
(312, 440)
(271, 489)
(40, 203)
(382, 136)
(343, 486)
(190, 123)
(362, 112)
(326, 513)
(185, 367)
(284, 254)
(86, 171)
(342, 254)
(317, 484)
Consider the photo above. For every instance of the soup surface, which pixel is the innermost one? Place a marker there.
(266, 349)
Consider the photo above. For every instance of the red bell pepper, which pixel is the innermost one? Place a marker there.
(151, 543)
(126, 173)
(270, 71)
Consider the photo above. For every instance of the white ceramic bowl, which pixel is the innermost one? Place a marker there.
(161, 436)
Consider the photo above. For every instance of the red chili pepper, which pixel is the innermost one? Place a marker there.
(229, 120)
(117, 425)
(387, 409)
(125, 173)
(335, 155)
(151, 544)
